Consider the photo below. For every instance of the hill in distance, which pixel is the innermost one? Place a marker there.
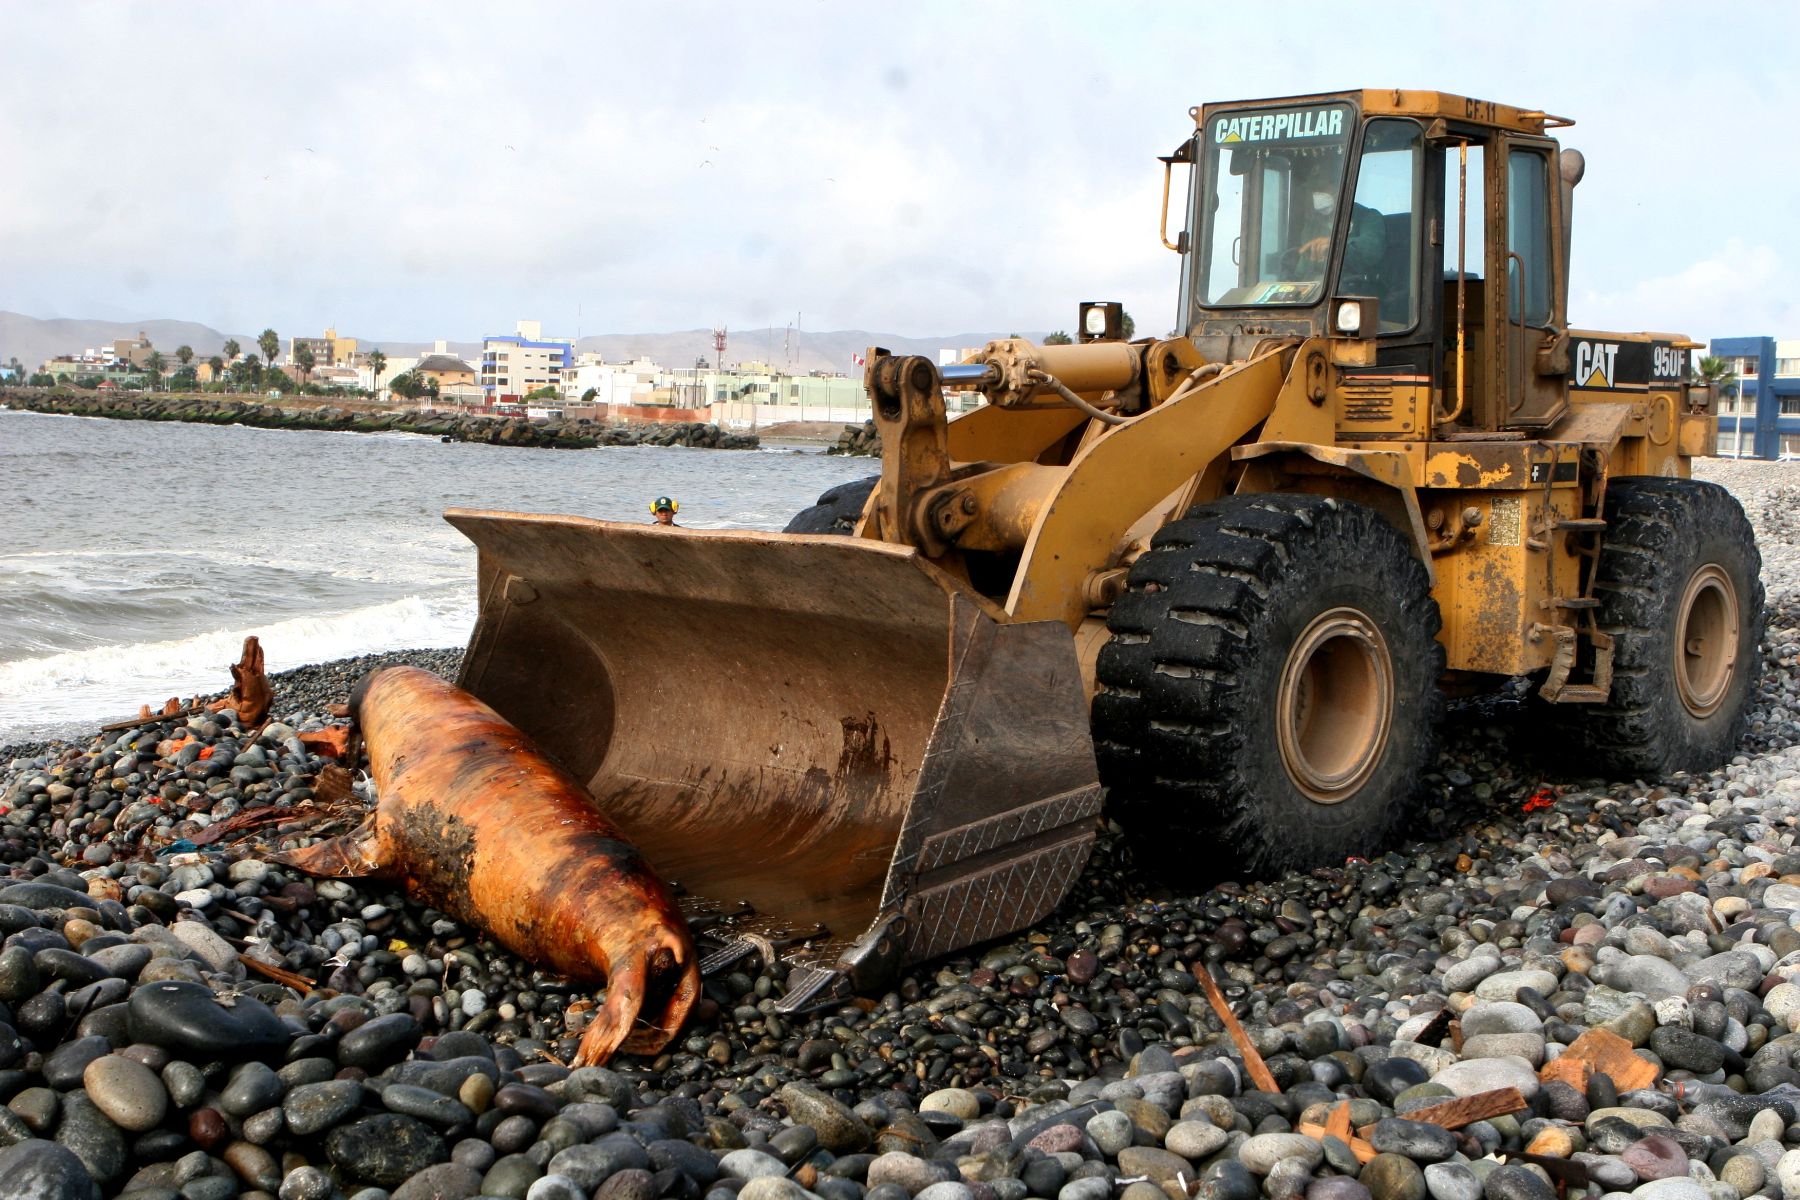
(33, 340)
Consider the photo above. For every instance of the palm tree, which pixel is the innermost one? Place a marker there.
(1059, 338)
(270, 343)
(1127, 326)
(377, 364)
(304, 360)
(252, 368)
(155, 364)
(231, 350)
(1720, 373)
(218, 369)
(184, 355)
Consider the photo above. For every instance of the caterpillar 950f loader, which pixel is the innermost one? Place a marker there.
(1227, 574)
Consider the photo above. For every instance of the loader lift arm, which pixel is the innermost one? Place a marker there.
(1067, 523)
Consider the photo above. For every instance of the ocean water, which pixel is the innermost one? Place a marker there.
(135, 556)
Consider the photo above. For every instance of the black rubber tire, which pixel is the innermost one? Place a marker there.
(836, 510)
(1184, 721)
(1660, 534)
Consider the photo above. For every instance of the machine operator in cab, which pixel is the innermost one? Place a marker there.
(1366, 248)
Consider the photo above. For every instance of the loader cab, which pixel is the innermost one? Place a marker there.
(1448, 213)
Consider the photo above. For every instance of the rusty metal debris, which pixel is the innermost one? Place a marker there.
(475, 821)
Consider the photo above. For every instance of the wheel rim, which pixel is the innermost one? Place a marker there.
(1706, 647)
(1335, 704)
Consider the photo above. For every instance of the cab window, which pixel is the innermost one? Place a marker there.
(1382, 250)
(1528, 236)
(1268, 194)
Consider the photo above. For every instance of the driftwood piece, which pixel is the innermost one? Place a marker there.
(1436, 1029)
(298, 982)
(333, 741)
(1253, 1063)
(1337, 1122)
(148, 716)
(1337, 1125)
(250, 694)
(1466, 1110)
(1600, 1051)
(1565, 1172)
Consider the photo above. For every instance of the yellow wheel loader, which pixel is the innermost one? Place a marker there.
(1222, 579)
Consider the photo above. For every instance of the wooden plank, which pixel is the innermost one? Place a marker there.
(1253, 1063)
(1604, 1052)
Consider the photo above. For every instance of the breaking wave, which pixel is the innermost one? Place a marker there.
(55, 689)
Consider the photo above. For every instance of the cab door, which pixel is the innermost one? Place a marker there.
(1525, 283)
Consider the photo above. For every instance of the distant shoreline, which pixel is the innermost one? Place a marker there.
(555, 433)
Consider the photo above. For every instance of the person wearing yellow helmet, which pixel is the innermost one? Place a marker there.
(663, 509)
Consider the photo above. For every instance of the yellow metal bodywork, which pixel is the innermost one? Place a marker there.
(888, 733)
(1489, 516)
(1404, 102)
(1116, 479)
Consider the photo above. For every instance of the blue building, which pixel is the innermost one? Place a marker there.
(1763, 420)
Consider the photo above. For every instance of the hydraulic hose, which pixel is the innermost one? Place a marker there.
(1045, 379)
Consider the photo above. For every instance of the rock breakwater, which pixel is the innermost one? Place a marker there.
(858, 441)
(555, 433)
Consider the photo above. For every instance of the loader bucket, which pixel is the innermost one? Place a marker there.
(827, 729)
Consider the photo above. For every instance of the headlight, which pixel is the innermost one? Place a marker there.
(1349, 317)
(1096, 322)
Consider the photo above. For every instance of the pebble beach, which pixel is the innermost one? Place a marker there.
(181, 1018)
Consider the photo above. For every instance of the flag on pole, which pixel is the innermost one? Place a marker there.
(858, 359)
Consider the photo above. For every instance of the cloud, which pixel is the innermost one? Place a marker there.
(414, 170)
(1740, 289)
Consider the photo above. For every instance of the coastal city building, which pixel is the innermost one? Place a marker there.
(67, 368)
(753, 398)
(336, 376)
(747, 394)
(593, 380)
(1763, 419)
(135, 351)
(328, 351)
(516, 364)
(456, 379)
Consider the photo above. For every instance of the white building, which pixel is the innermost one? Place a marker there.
(612, 383)
(517, 364)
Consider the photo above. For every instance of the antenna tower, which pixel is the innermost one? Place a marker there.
(719, 347)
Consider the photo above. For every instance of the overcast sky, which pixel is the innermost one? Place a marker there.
(440, 169)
